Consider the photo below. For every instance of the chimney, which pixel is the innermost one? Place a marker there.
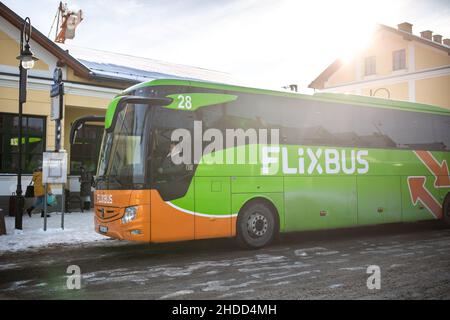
(447, 42)
(437, 38)
(405, 26)
(427, 34)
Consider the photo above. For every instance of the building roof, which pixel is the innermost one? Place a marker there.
(319, 82)
(116, 66)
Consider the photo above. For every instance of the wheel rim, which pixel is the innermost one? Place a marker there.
(257, 225)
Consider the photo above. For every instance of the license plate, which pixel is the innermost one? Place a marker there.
(103, 229)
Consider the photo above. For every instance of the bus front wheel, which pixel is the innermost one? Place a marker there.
(256, 225)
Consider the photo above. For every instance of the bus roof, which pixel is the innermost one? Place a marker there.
(329, 97)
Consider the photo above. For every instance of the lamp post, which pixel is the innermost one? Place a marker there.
(27, 60)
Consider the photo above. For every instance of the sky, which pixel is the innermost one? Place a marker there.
(268, 43)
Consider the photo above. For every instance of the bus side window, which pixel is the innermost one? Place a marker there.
(254, 112)
(441, 130)
(318, 123)
(375, 127)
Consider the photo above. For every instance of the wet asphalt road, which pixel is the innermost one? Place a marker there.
(414, 260)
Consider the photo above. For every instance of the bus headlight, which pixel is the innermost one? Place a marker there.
(130, 214)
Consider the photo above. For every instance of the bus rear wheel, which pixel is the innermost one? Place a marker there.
(446, 210)
(256, 226)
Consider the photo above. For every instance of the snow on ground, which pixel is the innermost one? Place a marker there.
(78, 229)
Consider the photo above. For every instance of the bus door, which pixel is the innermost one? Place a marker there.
(379, 199)
(320, 202)
(172, 194)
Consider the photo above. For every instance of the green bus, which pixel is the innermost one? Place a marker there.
(337, 161)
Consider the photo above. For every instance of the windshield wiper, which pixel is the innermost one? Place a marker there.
(108, 178)
(119, 181)
(101, 179)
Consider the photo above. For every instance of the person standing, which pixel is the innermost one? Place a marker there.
(39, 192)
(86, 182)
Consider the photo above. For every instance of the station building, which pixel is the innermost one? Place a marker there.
(397, 64)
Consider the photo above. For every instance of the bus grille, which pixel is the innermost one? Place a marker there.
(108, 213)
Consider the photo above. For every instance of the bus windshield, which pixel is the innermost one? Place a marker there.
(122, 157)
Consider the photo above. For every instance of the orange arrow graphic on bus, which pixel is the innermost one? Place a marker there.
(418, 192)
(439, 170)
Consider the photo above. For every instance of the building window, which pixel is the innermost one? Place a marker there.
(85, 150)
(370, 66)
(33, 142)
(399, 60)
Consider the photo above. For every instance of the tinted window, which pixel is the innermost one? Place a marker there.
(379, 127)
(375, 127)
(324, 123)
(441, 131)
(212, 117)
(317, 123)
(33, 142)
(85, 150)
(255, 111)
(413, 130)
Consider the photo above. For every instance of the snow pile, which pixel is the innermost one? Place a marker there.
(78, 229)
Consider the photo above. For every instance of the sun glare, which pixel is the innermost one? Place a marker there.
(351, 46)
(345, 25)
